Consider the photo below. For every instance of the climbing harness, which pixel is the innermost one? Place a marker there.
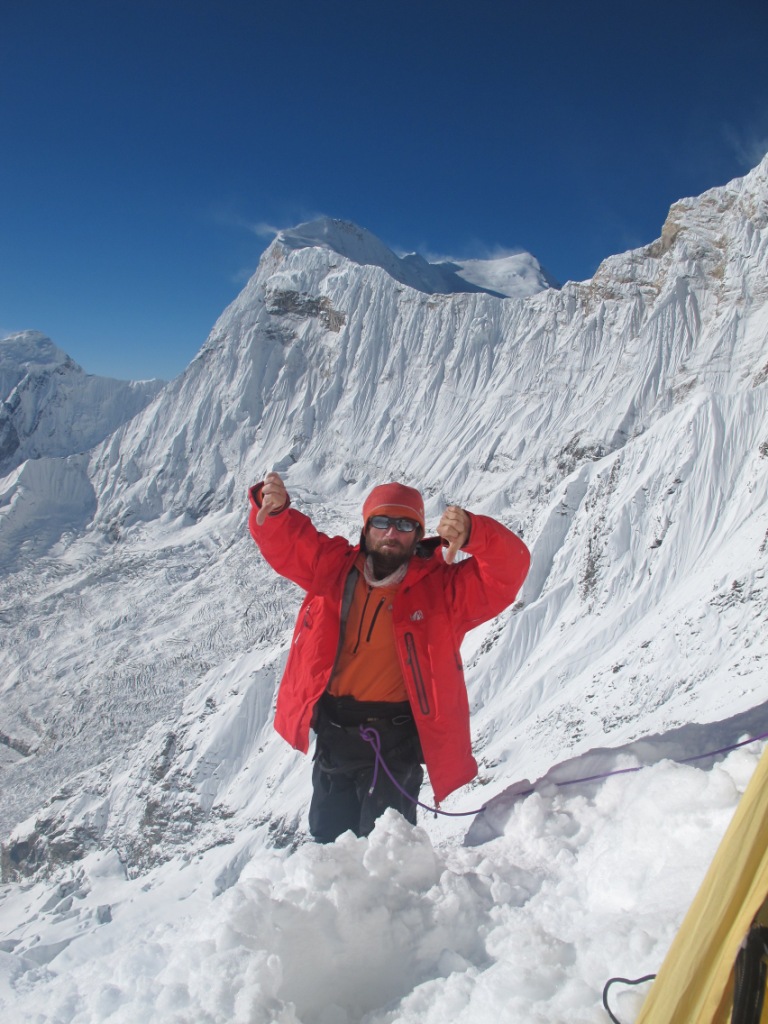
(371, 735)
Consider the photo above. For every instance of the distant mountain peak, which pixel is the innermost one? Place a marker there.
(27, 352)
(50, 407)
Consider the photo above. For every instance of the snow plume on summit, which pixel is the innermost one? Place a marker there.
(620, 424)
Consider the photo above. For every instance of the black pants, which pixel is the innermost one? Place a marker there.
(344, 766)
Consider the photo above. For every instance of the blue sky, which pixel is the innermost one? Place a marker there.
(151, 147)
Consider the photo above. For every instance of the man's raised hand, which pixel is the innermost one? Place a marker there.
(273, 497)
(453, 528)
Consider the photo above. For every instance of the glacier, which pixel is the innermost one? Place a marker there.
(618, 424)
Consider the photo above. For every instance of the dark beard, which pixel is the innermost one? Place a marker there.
(385, 562)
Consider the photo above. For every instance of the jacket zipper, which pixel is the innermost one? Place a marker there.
(362, 620)
(418, 679)
(369, 634)
(379, 606)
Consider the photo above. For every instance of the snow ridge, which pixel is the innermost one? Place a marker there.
(513, 276)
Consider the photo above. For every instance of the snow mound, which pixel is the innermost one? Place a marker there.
(389, 929)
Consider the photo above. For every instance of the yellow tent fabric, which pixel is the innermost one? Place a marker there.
(695, 983)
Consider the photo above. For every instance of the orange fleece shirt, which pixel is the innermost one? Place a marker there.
(368, 667)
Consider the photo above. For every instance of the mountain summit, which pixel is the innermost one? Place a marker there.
(512, 275)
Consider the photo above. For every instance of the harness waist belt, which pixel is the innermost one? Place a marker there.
(348, 712)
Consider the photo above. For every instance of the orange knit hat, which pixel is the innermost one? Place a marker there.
(395, 500)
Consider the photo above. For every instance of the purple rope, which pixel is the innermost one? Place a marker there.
(682, 760)
(371, 735)
(725, 750)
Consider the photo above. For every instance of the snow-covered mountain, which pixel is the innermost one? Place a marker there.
(619, 424)
(514, 275)
(51, 408)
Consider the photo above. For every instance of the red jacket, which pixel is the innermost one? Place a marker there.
(435, 607)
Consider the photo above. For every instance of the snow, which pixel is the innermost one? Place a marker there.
(28, 352)
(52, 408)
(391, 928)
(155, 861)
(513, 275)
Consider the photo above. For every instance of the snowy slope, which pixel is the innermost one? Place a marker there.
(620, 424)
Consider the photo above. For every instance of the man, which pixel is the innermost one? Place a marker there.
(377, 644)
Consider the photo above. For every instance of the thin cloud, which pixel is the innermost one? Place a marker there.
(244, 275)
(228, 218)
(261, 229)
(749, 146)
(264, 230)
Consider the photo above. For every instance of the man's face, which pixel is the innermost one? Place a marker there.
(390, 547)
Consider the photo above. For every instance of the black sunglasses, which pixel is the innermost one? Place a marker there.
(401, 525)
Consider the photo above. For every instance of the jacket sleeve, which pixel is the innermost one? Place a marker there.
(485, 584)
(292, 545)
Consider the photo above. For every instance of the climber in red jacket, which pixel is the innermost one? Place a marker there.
(377, 642)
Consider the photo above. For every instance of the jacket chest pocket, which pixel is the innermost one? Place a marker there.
(417, 677)
(304, 626)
